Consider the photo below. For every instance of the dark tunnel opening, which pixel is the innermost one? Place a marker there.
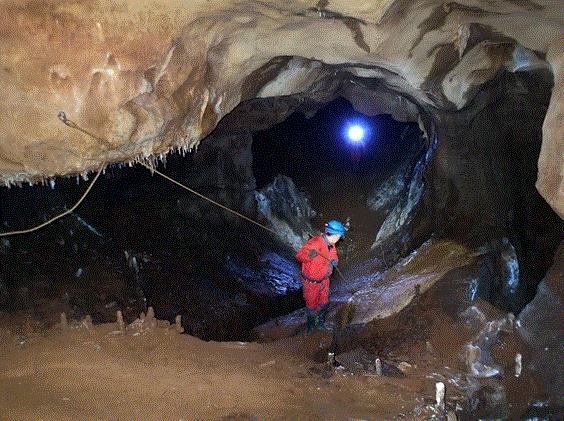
(340, 177)
(138, 241)
(310, 150)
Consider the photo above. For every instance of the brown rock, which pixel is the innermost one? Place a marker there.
(159, 76)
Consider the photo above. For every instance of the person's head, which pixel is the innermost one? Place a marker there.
(334, 231)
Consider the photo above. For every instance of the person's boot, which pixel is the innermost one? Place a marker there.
(310, 325)
(320, 324)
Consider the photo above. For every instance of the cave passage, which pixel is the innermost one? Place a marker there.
(313, 150)
(450, 278)
(338, 176)
(140, 241)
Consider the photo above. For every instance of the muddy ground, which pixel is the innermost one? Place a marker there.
(98, 373)
(150, 371)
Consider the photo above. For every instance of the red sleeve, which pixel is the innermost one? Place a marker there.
(333, 254)
(303, 254)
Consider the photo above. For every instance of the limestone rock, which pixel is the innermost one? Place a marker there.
(287, 210)
(159, 76)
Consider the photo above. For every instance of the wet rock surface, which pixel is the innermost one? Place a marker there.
(376, 295)
(287, 211)
(400, 216)
(441, 325)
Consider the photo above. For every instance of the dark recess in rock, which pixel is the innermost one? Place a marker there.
(261, 76)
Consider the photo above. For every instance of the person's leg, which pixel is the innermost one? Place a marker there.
(311, 297)
(311, 320)
(323, 306)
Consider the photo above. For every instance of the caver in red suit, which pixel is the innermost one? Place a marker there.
(317, 270)
(318, 258)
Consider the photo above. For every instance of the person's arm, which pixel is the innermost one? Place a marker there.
(334, 257)
(307, 252)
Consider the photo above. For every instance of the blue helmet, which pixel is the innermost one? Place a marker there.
(335, 227)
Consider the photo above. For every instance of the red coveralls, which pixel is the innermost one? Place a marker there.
(316, 271)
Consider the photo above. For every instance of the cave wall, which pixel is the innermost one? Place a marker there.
(158, 77)
(541, 328)
(482, 188)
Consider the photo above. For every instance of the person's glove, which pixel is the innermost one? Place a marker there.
(334, 263)
(312, 253)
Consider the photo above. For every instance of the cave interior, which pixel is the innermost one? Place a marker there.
(423, 185)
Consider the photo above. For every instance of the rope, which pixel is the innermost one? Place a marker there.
(383, 257)
(62, 116)
(338, 271)
(206, 198)
(224, 207)
(50, 221)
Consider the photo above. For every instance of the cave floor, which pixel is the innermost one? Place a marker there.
(152, 372)
(95, 373)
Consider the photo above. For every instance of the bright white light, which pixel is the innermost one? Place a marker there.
(356, 133)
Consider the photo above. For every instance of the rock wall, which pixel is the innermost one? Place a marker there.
(541, 328)
(483, 162)
(481, 183)
(158, 77)
(402, 214)
(287, 211)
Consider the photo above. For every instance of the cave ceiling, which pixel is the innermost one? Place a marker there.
(149, 77)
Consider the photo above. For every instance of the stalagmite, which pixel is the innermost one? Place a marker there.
(88, 322)
(64, 322)
(518, 365)
(510, 321)
(150, 318)
(331, 359)
(120, 323)
(178, 324)
(378, 365)
(440, 396)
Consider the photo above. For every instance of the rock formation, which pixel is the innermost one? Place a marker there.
(148, 78)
